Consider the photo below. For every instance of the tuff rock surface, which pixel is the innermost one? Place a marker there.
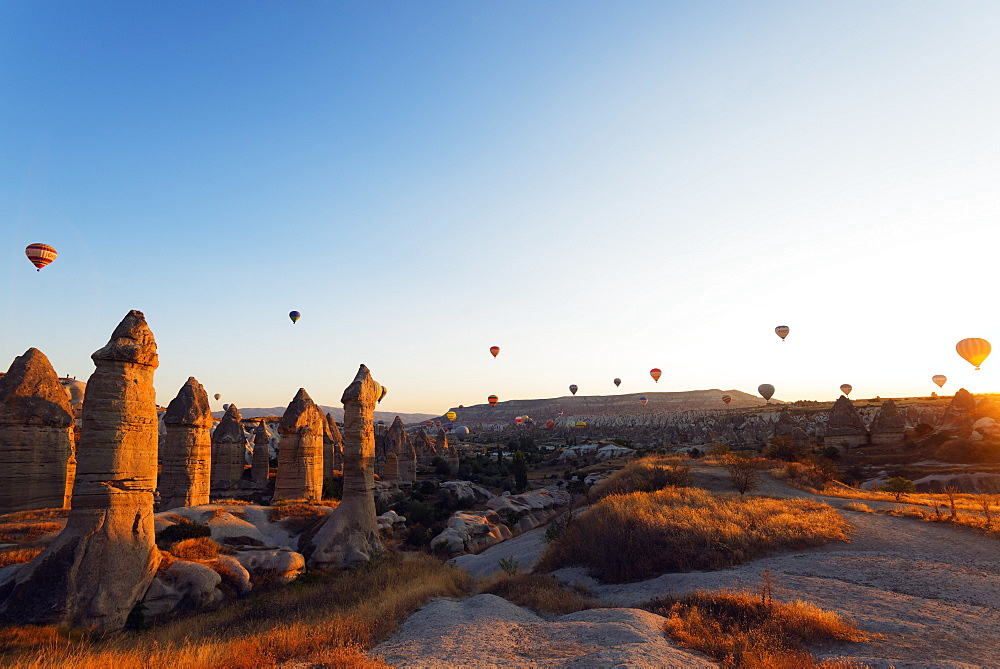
(229, 443)
(300, 454)
(186, 456)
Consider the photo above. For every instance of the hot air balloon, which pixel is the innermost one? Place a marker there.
(974, 350)
(381, 395)
(451, 415)
(225, 407)
(550, 425)
(643, 401)
(655, 373)
(295, 316)
(493, 399)
(781, 331)
(846, 388)
(461, 406)
(727, 399)
(618, 382)
(580, 423)
(218, 395)
(40, 255)
(495, 350)
(939, 379)
(766, 391)
(437, 423)
(573, 389)
(462, 431)
(518, 420)
(559, 413)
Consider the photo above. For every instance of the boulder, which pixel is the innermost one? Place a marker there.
(349, 535)
(36, 436)
(186, 453)
(101, 564)
(182, 585)
(272, 566)
(300, 454)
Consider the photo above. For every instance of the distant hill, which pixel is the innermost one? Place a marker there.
(338, 414)
(580, 406)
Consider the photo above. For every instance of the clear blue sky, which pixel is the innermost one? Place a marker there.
(598, 188)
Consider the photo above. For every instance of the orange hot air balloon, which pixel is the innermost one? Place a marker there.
(655, 373)
(493, 399)
(846, 388)
(40, 255)
(974, 350)
(495, 350)
(550, 425)
(727, 399)
(782, 331)
(940, 380)
(643, 401)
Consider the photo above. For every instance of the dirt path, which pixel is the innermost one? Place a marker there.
(931, 590)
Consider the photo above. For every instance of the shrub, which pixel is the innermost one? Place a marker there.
(784, 448)
(520, 469)
(744, 629)
(743, 472)
(538, 592)
(644, 475)
(198, 548)
(509, 565)
(333, 488)
(641, 535)
(181, 531)
(898, 486)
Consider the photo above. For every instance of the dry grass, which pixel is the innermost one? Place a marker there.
(17, 555)
(199, 548)
(301, 516)
(750, 631)
(641, 535)
(858, 506)
(647, 474)
(538, 592)
(21, 532)
(324, 619)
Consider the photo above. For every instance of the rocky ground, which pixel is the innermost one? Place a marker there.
(926, 591)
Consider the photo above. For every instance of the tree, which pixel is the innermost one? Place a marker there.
(899, 486)
(520, 471)
(744, 473)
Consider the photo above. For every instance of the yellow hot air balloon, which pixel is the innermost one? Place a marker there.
(451, 416)
(974, 350)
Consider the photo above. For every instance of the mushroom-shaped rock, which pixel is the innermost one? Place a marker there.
(36, 440)
(229, 444)
(349, 535)
(186, 471)
(300, 454)
(101, 564)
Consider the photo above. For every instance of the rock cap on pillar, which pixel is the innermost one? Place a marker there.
(190, 406)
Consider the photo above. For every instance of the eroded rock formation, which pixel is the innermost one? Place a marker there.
(229, 445)
(261, 467)
(300, 454)
(186, 456)
(398, 441)
(100, 565)
(36, 436)
(333, 448)
(349, 536)
(889, 425)
(424, 447)
(961, 412)
(390, 473)
(845, 428)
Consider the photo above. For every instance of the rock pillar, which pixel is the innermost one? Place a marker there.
(95, 571)
(36, 436)
(186, 457)
(398, 442)
(300, 453)
(845, 429)
(261, 467)
(424, 447)
(390, 473)
(229, 452)
(333, 448)
(349, 536)
(889, 426)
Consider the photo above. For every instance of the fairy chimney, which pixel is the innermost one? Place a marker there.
(381, 446)
(424, 448)
(889, 425)
(844, 428)
(186, 456)
(398, 442)
(961, 412)
(36, 436)
(229, 449)
(333, 448)
(390, 473)
(300, 453)
(99, 566)
(261, 467)
(349, 535)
